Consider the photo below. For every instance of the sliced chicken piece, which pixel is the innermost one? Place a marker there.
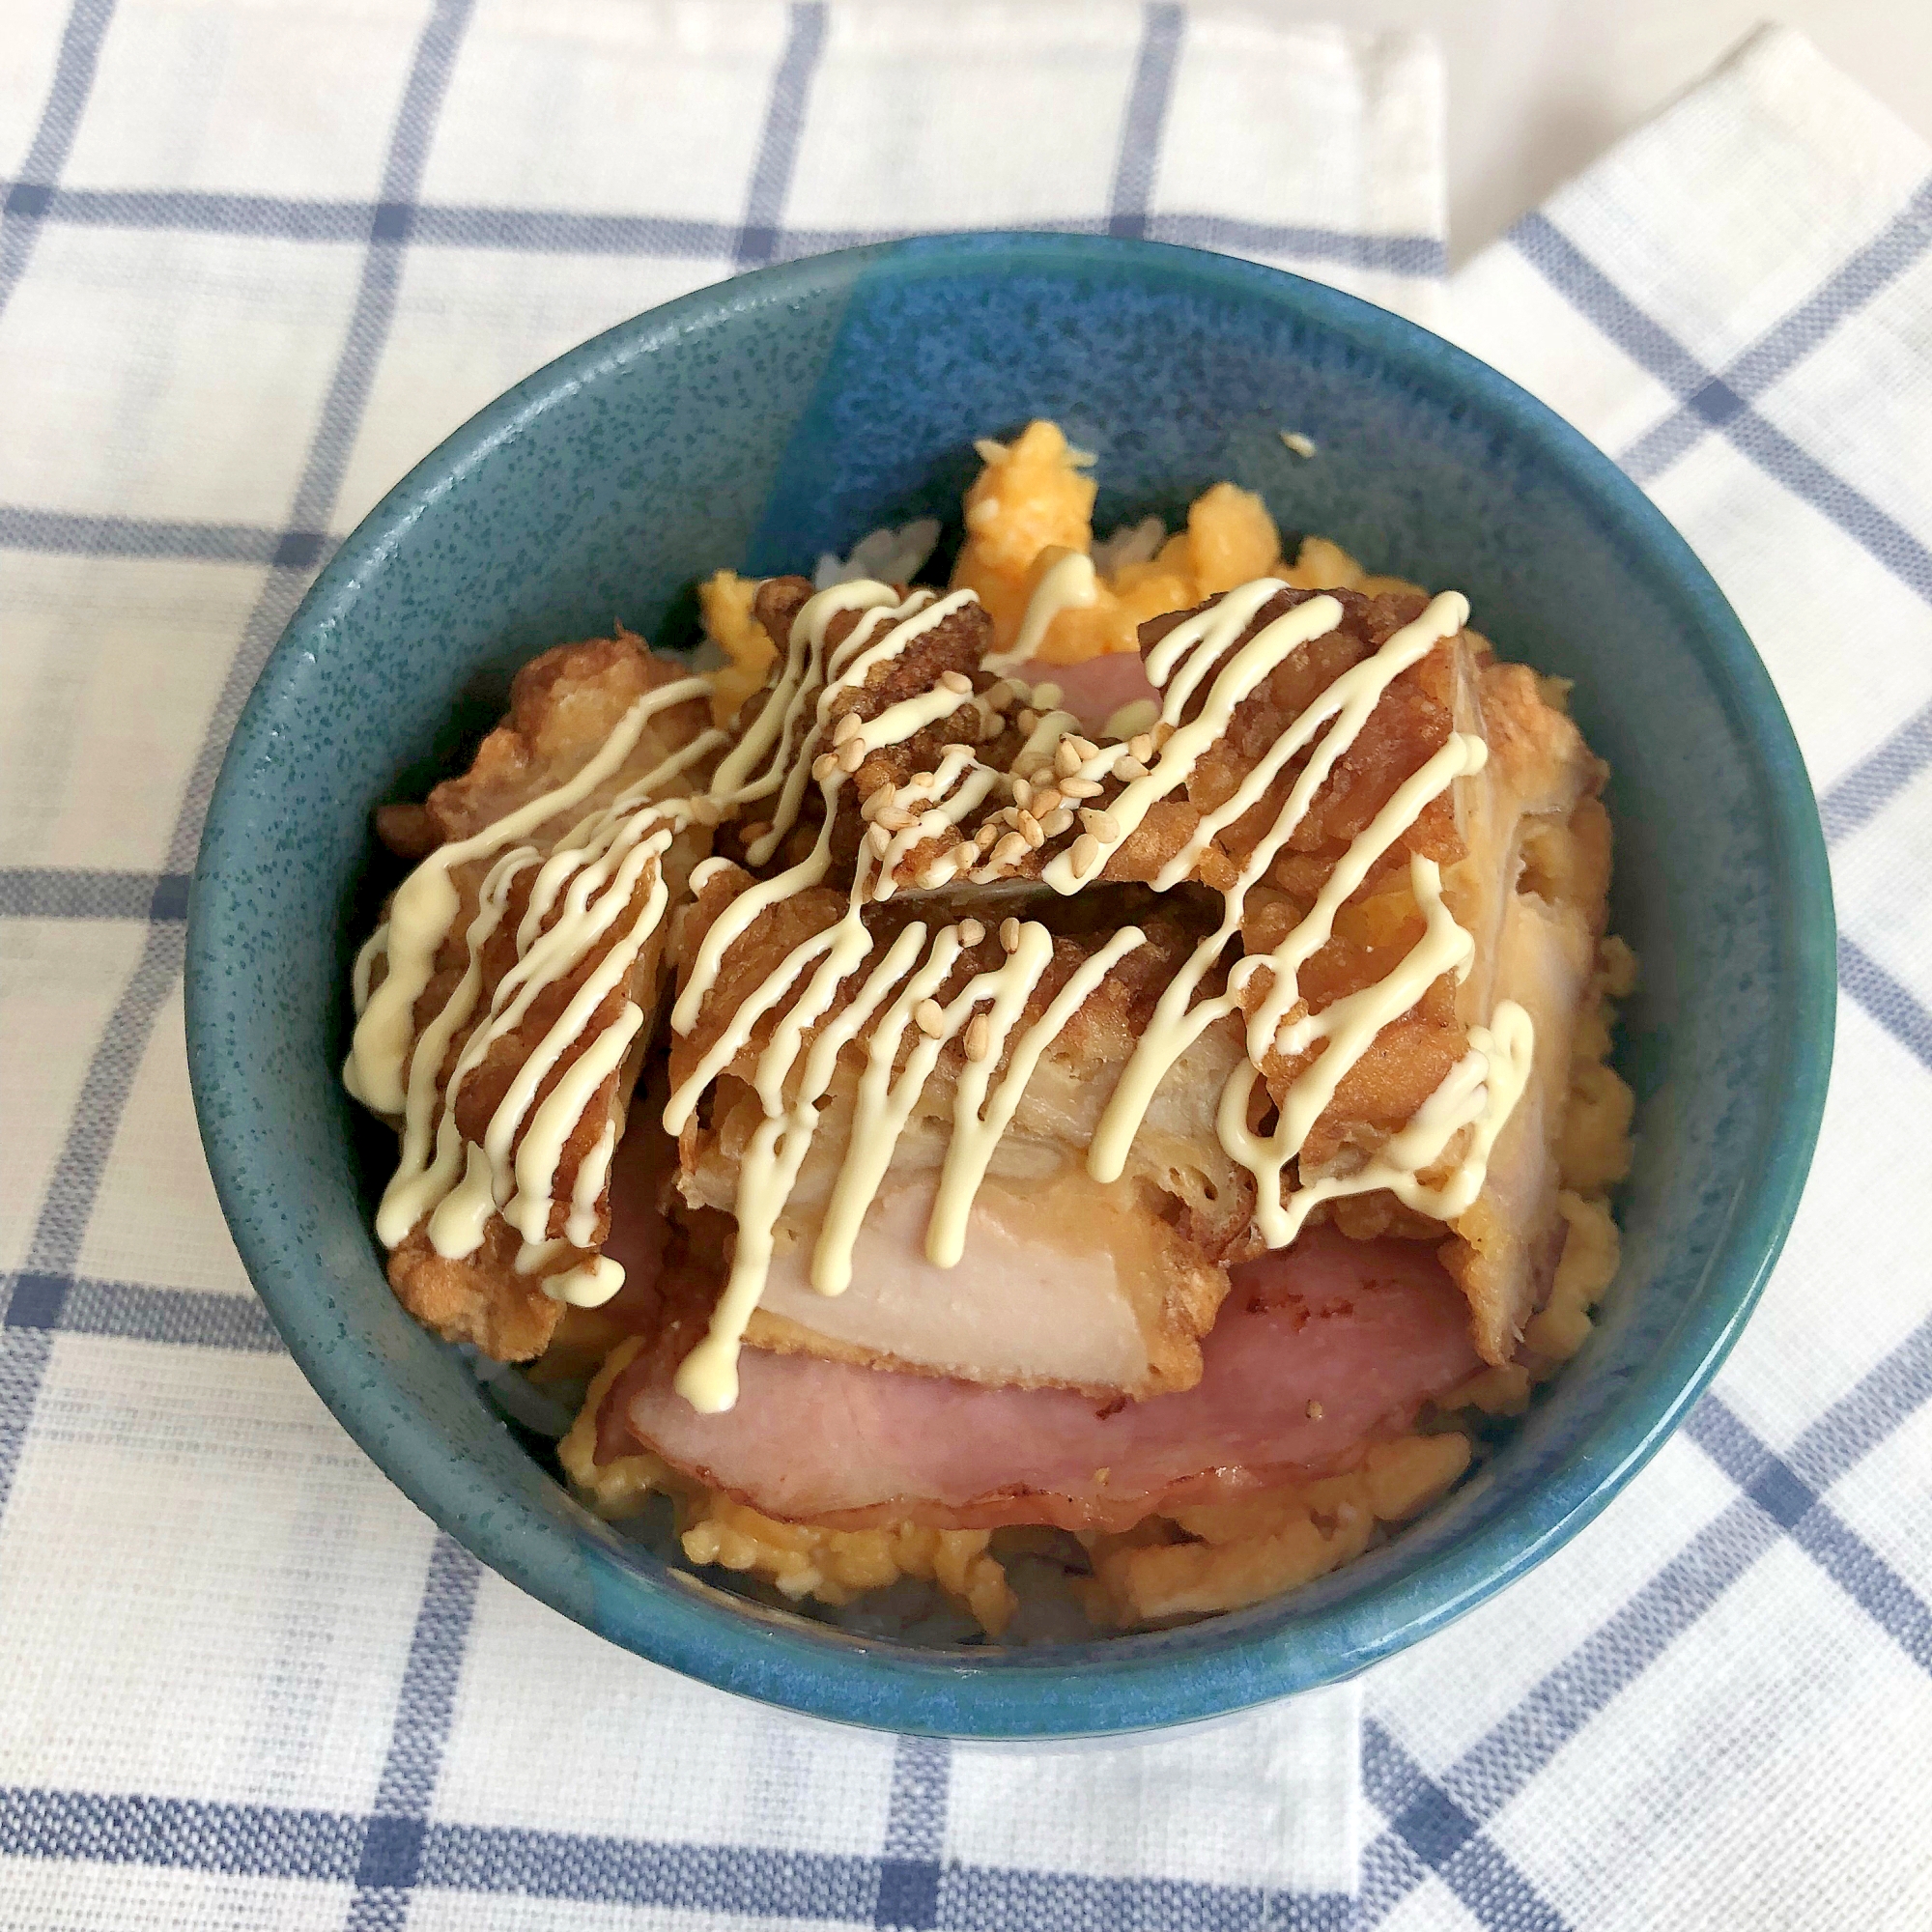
(1063, 1281)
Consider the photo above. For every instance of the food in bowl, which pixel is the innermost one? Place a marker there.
(1094, 1077)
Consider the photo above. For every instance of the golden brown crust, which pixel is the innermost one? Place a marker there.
(480, 1299)
(563, 707)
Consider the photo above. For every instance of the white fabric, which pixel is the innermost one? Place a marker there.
(245, 1684)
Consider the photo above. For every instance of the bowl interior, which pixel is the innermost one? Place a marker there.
(759, 424)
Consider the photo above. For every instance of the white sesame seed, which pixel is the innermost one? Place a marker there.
(1085, 748)
(1056, 821)
(979, 1038)
(1065, 759)
(1129, 769)
(970, 932)
(1022, 792)
(1010, 933)
(823, 766)
(931, 1021)
(1031, 831)
(1080, 787)
(1102, 824)
(852, 755)
(1141, 745)
(880, 841)
(985, 836)
(1045, 799)
(896, 818)
(846, 727)
(1010, 849)
(1086, 853)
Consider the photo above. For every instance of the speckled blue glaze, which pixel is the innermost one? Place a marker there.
(791, 412)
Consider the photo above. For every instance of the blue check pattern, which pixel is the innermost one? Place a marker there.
(1463, 1750)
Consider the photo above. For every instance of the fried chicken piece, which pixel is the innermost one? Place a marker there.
(1534, 929)
(1064, 1281)
(464, 1281)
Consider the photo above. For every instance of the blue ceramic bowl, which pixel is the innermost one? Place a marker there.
(761, 422)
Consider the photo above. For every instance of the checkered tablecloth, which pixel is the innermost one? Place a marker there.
(254, 260)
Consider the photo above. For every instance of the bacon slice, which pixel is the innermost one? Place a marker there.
(1097, 687)
(1319, 1349)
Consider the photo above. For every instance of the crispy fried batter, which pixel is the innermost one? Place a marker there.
(563, 707)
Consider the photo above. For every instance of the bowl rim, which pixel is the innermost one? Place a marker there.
(1135, 1685)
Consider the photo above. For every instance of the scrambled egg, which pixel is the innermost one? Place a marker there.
(1031, 502)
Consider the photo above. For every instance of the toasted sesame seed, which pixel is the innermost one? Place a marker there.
(1315, 1411)
(1045, 799)
(824, 765)
(970, 932)
(1080, 787)
(931, 1021)
(1129, 769)
(875, 802)
(1030, 830)
(1141, 745)
(1046, 696)
(1161, 733)
(985, 836)
(705, 811)
(1086, 853)
(1065, 759)
(846, 727)
(955, 680)
(750, 835)
(1056, 821)
(1028, 720)
(851, 754)
(979, 1038)
(1103, 825)
(1085, 748)
(1010, 933)
(1010, 849)
(991, 728)
(897, 818)
(1022, 792)
(1003, 694)
(880, 841)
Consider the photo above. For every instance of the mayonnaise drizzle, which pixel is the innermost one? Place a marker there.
(591, 876)
(597, 869)
(426, 905)
(1068, 583)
